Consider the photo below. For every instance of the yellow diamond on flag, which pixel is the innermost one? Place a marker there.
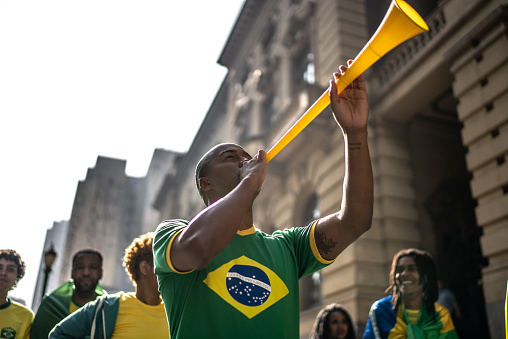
(247, 285)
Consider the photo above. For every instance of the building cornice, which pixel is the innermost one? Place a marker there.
(242, 26)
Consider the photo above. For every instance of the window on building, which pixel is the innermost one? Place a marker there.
(268, 35)
(301, 67)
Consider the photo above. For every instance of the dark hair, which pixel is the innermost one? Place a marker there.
(12, 255)
(87, 251)
(201, 170)
(202, 166)
(140, 249)
(321, 329)
(428, 276)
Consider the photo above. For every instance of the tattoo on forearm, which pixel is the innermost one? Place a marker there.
(354, 146)
(324, 244)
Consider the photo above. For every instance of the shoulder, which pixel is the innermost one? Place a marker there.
(165, 232)
(63, 291)
(384, 304)
(168, 226)
(445, 317)
(171, 223)
(296, 231)
(22, 309)
(127, 296)
(110, 299)
(105, 300)
(442, 310)
(61, 296)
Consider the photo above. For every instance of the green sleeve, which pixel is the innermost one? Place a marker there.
(163, 235)
(301, 240)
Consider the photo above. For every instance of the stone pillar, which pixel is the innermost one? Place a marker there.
(480, 67)
(394, 225)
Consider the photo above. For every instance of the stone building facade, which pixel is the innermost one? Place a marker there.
(438, 136)
(111, 209)
(55, 237)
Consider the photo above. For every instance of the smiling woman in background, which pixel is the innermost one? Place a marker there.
(333, 322)
(411, 311)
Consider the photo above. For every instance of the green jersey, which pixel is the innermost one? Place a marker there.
(250, 289)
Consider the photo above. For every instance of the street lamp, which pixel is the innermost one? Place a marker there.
(49, 259)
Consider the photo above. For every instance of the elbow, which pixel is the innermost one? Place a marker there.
(362, 228)
(367, 224)
(366, 220)
(364, 225)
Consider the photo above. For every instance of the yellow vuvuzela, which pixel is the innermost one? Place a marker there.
(400, 23)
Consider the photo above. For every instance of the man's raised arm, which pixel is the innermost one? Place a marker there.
(336, 231)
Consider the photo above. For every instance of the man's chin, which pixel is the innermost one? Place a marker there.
(85, 288)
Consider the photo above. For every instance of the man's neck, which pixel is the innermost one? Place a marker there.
(247, 221)
(413, 302)
(147, 295)
(83, 298)
(3, 298)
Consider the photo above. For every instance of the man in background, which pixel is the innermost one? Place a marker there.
(15, 319)
(125, 315)
(71, 295)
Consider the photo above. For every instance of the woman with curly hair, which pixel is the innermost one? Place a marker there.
(333, 322)
(137, 314)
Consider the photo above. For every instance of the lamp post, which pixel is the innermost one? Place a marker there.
(49, 259)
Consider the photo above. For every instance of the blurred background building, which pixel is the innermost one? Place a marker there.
(438, 137)
(56, 237)
(110, 209)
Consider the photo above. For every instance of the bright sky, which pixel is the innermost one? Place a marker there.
(80, 79)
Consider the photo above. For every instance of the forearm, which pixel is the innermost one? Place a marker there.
(351, 111)
(336, 231)
(212, 230)
(357, 196)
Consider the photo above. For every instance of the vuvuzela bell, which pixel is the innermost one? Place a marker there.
(400, 23)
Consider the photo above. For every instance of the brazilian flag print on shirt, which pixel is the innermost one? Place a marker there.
(247, 285)
(248, 290)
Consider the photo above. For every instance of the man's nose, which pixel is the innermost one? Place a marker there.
(242, 161)
(404, 272)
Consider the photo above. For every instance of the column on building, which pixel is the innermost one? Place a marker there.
(395, 221)
(480, 67)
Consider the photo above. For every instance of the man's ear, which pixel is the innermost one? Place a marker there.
(205, 184)
(145, 268)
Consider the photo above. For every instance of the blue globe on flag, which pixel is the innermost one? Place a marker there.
(248, 285)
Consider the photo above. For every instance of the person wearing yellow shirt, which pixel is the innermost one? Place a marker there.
(15, 319)
(138, 314)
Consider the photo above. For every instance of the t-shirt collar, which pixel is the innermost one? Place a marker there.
(248, 231)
